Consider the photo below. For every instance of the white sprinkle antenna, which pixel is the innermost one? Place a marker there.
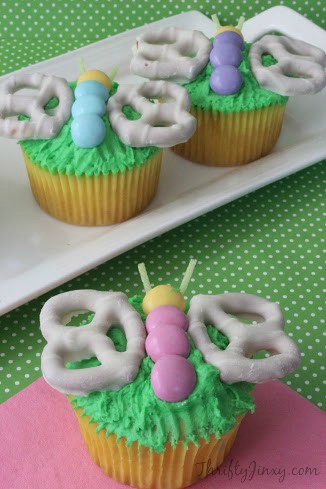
(114, 72)
(216, 21)
(187, 276)
(81, 65)
(144, 277)
(240, 23)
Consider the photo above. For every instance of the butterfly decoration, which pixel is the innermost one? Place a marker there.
(163, 107)
(178, 54)
(167, 339)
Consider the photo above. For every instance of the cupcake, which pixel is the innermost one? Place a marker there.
(239, 94)
(159, 393)
(94, 160)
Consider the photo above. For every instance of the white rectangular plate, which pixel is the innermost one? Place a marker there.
(38, 252)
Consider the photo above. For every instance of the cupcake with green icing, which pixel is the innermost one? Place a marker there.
(160, 385)
(238, 90)
(86, 175)
(145, 442)
(238, 120)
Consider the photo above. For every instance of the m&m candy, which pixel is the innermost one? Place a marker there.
(173, 378)
(96, 75)
(226, 80)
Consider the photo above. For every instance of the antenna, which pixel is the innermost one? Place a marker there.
(144, 277)
(240, 23)
(81, 65)
(216, 21)
(187, 276)
(114, 72)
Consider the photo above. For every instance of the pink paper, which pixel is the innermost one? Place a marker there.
(41, 446)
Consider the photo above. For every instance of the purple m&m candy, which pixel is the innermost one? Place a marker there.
(226, 80)
(173, 378)
(168, 340)
(225, 54)
(229, 37)
(162, 315)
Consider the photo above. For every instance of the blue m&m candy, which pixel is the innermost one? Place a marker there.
(91, 87)
(89, 104)
(88, 130)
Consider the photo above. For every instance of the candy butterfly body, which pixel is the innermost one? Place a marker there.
(92, 92)
(226, 57)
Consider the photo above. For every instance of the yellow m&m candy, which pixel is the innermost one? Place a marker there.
(229, 28)
(96, 75)
(163, 295)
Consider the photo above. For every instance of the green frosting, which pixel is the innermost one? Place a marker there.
(134, 412)
(61, 156)
(250, 97)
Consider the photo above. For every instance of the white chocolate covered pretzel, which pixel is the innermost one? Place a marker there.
(234, 363)
(40, 124)
(170, 54)
(71, 343)
(306, 64)
(164, 121)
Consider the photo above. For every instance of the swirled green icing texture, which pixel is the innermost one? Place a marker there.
(250, 97)
(61, 156)
(134, 412)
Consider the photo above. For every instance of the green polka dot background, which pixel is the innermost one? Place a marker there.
(35, 31)
(269, 243)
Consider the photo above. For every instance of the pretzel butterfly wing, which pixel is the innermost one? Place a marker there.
(300, 67)
(70, 343)
(235, 363)
(40, 124)
(170, 54)
(164, 123)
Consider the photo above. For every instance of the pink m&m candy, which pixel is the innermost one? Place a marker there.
(167, 340)
(173, 378)
(162, 315)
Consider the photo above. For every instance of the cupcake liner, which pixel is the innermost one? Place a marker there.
(141, 467)
(95, 200)
(232, 139)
